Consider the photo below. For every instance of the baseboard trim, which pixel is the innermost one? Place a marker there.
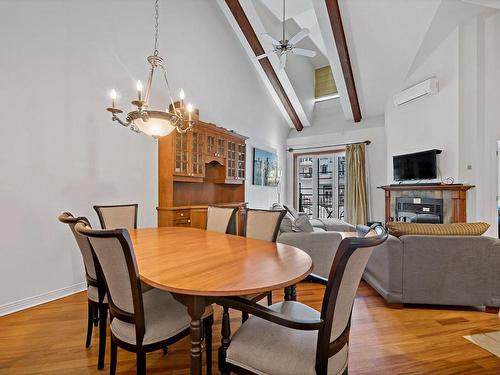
(26, 303)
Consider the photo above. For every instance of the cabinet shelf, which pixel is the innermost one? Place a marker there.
(204, 166)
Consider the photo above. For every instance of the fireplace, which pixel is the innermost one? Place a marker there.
(419, 210)
(426, 203)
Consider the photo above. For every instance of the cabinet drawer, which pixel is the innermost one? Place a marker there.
(182, 214)
(182, 223)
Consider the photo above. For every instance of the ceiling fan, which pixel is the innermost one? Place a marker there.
(284, 46)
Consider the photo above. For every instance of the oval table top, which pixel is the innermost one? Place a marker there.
(203, 263)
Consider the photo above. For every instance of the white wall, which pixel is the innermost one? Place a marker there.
(479, 124)
(60, 151)
(431, 122)
(331, 127)
(462, 119)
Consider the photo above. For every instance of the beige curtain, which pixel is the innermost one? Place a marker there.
(356, 197)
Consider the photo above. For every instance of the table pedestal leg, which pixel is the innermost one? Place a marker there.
(196, 306)
(225, 341)
(291, 293)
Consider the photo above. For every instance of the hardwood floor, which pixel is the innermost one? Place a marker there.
(49, 339)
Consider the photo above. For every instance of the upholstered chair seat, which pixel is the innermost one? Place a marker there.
(157, 305)
(258, 343)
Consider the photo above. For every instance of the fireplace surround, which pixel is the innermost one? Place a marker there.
(453, 197)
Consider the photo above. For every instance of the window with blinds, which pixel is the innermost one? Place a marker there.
(324, 84)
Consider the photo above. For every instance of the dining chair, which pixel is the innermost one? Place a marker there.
(263, 225)
(295, 339)
(141, 321)
(117, 216)
(96, 298)
(221, 219)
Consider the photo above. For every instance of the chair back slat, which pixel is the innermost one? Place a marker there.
(263, 224)
(347, 291)
(118, 216)
(82, 242)
(114, 267)
(221, 219)
(347, 269)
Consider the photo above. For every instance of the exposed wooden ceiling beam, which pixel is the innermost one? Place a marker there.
(338, 34)
(249, 33)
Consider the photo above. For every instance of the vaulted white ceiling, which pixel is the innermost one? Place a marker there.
(387, 40)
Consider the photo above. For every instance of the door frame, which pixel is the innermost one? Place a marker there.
(299, 154)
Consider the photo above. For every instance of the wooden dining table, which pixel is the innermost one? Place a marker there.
(197, 266)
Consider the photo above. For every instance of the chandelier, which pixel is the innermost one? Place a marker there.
(156, 123)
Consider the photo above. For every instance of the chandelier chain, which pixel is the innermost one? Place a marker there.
(157, 16)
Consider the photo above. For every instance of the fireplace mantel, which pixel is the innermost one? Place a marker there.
(453, 195)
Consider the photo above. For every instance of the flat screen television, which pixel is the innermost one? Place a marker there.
(416, 166)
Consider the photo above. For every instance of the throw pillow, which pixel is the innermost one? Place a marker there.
(399, 229)
(287, 223)
(292, 211)
(302, 224)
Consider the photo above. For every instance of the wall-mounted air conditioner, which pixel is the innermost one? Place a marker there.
(426, 88)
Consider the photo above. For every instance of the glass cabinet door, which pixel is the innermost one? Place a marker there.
(241, 161)
(231, 160)
(210, 144)
(181, 154)
(197, 162)
(221, 147)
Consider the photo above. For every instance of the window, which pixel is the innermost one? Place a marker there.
(320, 184)
(324, 84)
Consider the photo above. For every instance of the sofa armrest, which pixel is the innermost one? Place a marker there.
(384, 270)
(321, 247)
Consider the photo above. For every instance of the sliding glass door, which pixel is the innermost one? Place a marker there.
(320, 184)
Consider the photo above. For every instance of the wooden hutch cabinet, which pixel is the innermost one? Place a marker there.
(204, 166)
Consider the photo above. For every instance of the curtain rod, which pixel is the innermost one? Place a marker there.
(367, 142)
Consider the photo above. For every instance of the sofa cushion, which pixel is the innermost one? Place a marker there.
(332, 224)
(399, 229)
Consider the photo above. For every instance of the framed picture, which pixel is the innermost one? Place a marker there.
(265, 168)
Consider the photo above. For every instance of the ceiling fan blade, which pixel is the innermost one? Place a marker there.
(270, 38)
(304, 52)
(299, 36)
(282, 61)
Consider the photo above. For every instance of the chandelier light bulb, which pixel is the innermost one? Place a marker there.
(139, 90)
(182, 95)
(190, 110)
(113, 95)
